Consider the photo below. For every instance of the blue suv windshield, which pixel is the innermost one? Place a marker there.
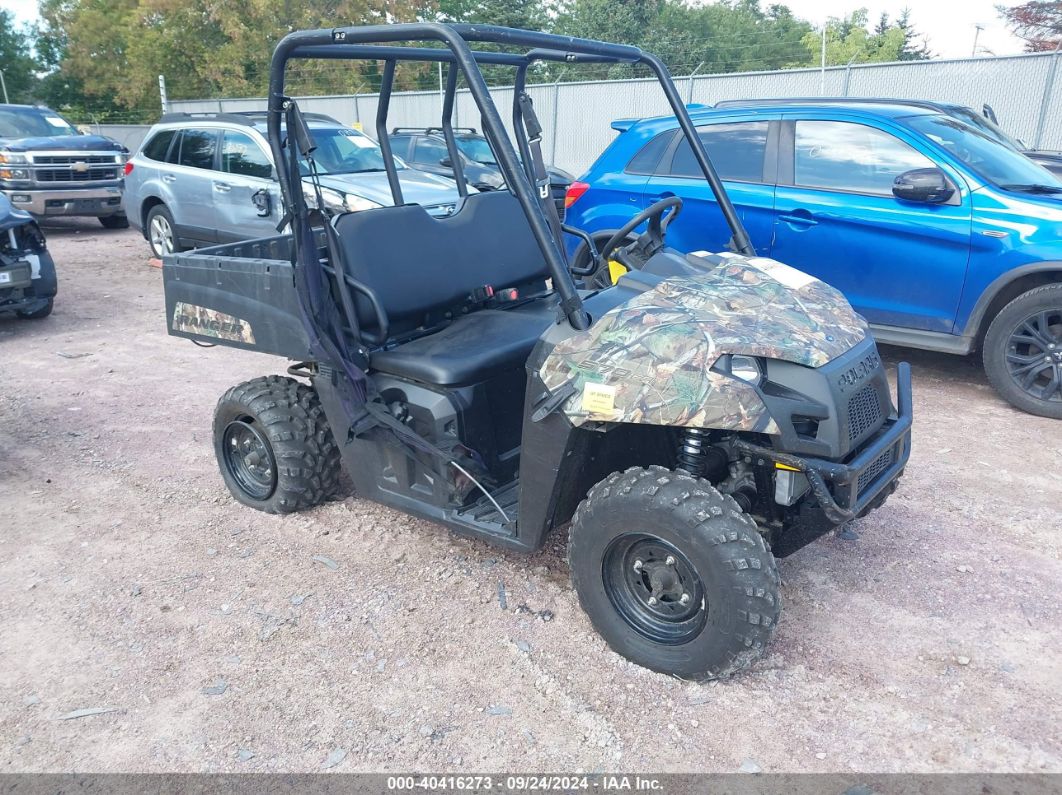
(997, 163)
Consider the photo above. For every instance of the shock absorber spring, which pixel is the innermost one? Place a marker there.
(691, 451)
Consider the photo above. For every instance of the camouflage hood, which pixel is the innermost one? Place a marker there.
(650, 359)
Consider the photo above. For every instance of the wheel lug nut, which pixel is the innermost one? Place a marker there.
(638, 565)
(684, 599)
(670, 560)
(652, 601)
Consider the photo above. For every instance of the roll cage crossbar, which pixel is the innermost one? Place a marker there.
(376, 43)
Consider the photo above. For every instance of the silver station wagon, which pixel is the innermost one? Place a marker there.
(203, 179)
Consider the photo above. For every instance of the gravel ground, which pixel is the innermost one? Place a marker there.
(217, 640)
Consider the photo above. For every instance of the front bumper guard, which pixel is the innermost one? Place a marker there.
(857, 484)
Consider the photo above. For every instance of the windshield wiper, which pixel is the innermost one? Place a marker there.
(1033, 188)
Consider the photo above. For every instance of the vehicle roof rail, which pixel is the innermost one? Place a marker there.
(430, 130)
(234, 118)
(749, 103)
(264, 114)
(248, 118)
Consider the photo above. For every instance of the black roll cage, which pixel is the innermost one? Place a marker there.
(373, 42)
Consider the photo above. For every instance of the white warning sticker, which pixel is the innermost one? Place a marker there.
(783, 274)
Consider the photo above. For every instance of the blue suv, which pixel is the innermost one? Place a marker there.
(943, 238)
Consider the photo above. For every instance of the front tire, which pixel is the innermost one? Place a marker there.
(117, 221)
(274, 446)
(1023, 352)
(38, 314)
(673, 575)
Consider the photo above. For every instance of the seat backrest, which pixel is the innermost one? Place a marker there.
(420, 266)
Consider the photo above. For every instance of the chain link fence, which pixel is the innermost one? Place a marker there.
(1024, 90)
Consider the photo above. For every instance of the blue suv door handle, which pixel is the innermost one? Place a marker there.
(799, 218)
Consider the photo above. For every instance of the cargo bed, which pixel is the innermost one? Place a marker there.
(238, 294)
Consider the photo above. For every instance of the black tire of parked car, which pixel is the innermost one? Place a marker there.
(37, 314)
(1022, 351)
(673, 574)
(118, 221)
(159, 211)
(274, 446)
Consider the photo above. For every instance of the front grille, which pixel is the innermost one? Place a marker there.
(864, 412)
(69, 175)
(870, 474)
(67, 160)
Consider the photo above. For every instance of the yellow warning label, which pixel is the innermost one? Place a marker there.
(615, 270)
(599, 398)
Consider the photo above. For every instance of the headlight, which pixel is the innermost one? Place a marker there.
(357, 203)
(336, 202)
(7, 157)
(14, 173)
(745, 368)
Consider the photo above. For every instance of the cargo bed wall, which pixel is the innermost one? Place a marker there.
(239, 294)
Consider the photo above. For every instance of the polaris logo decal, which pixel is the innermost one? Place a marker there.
(853, 375)
(193, 319)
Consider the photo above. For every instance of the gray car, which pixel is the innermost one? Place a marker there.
(209, 178)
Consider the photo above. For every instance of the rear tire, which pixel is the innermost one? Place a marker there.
(274, 446)
(118, 221)
(1023, 352)
(653, 534)
(38, 314)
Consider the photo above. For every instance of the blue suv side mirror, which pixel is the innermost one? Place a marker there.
(923, 185)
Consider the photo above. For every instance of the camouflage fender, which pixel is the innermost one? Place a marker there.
(649, 361)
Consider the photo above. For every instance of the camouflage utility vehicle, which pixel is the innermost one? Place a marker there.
(702, 415)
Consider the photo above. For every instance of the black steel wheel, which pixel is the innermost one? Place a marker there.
(274, 447)
(248, 458)
(1023, 351)
(673, 575)
(654, 588)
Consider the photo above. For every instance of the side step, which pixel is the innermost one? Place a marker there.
(483, 515)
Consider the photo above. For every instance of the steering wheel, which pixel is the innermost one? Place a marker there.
(633, 255)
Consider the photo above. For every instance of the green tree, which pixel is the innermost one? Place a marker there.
(526, 14)
(112, 51)
(848, 40)
(16, 59)
(729, 36)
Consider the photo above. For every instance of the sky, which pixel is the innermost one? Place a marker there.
(948, 24)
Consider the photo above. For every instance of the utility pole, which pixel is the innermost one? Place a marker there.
(162, 93)
(977, 34)
(4, 84)
(822, 74)
(689, 89)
